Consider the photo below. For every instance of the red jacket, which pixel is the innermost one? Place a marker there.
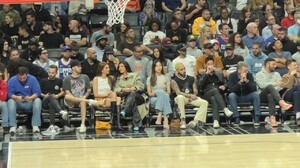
(3, 90)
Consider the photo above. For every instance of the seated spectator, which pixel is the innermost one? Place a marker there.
(256, 59)
(90, 64)
(130, 85)
(110, 59)
(159, 90)
(74, 34)
(64, 64)
(148, 13)
(101, 43)
(267, 31)
(289, 20)
(185, 88)
(3, 99)
(188, 61)
(208, 51)
(245, 19)
(192, 50)
(239, 5)
(12, 42)
(50, 38)
(195, 11)
(121, 33)
(133, 6)
(4, 52)
(30, 53)
(288, 45)
(205, 37)
(43, 60)
(252, 36)
(34, 26)
(223, 38)
(14, 54)
(171, 5)
(258, 4)
(105, 30)
(77, 88)
(238, 45)
(205, 20)
(225, 18)
(293, 30)
(212, 85)
(267, 11)
(24, 37)
(290, 82)
(23, 93)
(275, 32)
(104, 95)
(216, 48)
(296, 56)
(10, 27)
(139, 64)
(166, 63)
(177, 16)
(8, 9)
(280, 57)
(242, 89)
(268, 82)
(75, 54)
(168, 49)
(231, 60)
(216, 8)
(15, 62)
(176, 34)
(154, 35)
(51, 92)
(42, 15)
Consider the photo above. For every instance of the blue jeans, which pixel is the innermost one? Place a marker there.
(162, 102)
(34, 106)
(293, 95)
(253, 97)
(4, 113)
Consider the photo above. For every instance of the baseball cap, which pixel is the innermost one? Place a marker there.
(191, 38)
(166, 42)
(214, 41)
(33, 41)
(100, 37)
(66, 48)
(109, 50)
(40, 50)
(181, 47)
(228, 46)
(75, 63)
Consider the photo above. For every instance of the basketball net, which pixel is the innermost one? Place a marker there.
(116, 10)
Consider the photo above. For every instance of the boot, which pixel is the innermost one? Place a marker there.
(113, 109)
(118, 110)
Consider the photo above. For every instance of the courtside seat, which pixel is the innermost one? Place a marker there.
(74, 115)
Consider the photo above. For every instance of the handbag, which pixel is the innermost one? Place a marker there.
(175, 123)
(103, 125)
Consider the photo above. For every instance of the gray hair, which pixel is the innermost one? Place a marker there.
(241, 64)
(250, 25)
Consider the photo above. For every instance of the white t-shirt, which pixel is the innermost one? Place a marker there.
(151, 35)
(189, 62)
(240, 4)
(103, 85)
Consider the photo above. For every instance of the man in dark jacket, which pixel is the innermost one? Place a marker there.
(243, 89)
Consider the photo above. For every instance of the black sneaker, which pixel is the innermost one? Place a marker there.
(5, 130)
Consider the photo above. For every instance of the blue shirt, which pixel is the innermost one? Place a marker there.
(249, 41)
(30, 87)
(255, 63)
(293, 30)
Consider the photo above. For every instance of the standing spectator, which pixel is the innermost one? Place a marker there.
(8, 9)
(256, 59)
(77, 88)
(176, 34)
(205, 20)
(177, 16)
(148, 13)
(23, 93)
(216, 8)
(133, 6)
(51, 92)
(242, 89)
(185, 87)
(289, 20)
(50, 38)
(74, 34)
(195, 11)
(90, 64)
(252, 36)
(43, 60)
(212, 85)
(225, 18)
(171, 5)
(154, 35)
(188, 61)
(192, 50)
(64, 64)
(34, 26)
(238, 45)
(24, 37)
(106, 31)
(245, 19)
(231, 60)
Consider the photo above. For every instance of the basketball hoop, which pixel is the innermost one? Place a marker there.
(116, 10)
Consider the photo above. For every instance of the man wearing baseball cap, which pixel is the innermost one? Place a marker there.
(188, 61)
(30, 53)
(167, 48)
(64, 64)
(43, 60)
(192, 50)
(231, 60)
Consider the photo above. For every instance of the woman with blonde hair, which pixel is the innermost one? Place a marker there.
(205, 36)
(103, 85)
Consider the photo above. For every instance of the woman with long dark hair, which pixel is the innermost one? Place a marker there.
(166, 63)
(159, 90)
(103, 85)
(245, 19)
(111, 60)
(129, 85)
(4, 51)
(238, 45)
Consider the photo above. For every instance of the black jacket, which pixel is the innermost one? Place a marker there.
(241, 89)
(205, 84)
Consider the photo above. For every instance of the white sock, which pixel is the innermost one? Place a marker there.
(297, 115)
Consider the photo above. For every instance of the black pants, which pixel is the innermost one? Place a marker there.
(130, 108)
(293, 95)
(271, 96)
(214, 97)
(53, 105)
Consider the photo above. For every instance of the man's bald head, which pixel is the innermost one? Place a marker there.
(91, 53)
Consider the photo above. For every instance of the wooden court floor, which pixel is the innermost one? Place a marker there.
(234, 151)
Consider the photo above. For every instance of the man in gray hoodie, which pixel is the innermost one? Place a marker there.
(256, 59)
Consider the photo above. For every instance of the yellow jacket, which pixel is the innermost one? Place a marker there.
(200, 22)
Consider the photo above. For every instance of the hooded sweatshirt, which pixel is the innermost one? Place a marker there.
(255, 63)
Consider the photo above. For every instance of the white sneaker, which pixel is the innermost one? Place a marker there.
(227, 112)
(64, 114)
(82, 129)
(192, 124)
(13, 130)
(67, 129)
(92, 102)
(216, 124)
(35, 129)
(49, 131)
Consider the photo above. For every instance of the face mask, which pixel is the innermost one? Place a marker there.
(298, 21)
